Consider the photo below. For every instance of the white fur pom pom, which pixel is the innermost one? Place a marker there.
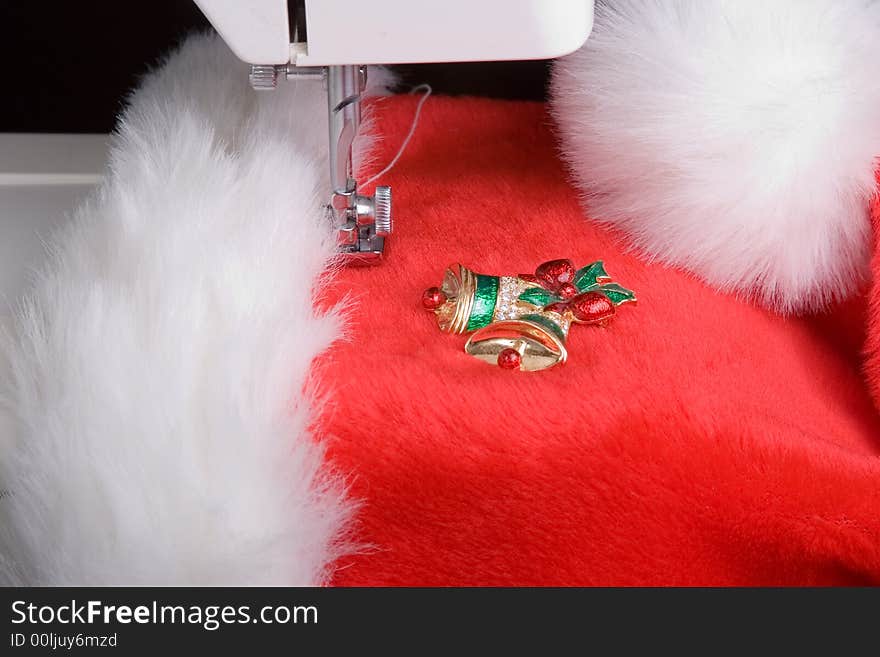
(736, 138)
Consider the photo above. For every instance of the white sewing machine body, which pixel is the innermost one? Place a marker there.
(335, 39)
(336, 32)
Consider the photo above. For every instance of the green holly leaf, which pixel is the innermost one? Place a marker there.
(538, 296)
(587, 277)
(617, 293)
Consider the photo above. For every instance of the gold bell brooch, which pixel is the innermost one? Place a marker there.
(522, 322)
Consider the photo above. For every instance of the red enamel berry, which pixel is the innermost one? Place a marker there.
(555, 273)
(433, 298)
(509, 359)
(591, 308)
(567, 291)
(559, 307)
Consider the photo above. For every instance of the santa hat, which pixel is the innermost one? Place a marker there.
(178, 407)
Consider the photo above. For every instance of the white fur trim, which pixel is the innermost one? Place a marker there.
(736, 138)
(157, 406)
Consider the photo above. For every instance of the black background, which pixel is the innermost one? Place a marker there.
(67, 65)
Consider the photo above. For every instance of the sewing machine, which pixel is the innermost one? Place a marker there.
(334, 40)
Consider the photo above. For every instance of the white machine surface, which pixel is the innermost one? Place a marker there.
(42, 179)
(335, 32)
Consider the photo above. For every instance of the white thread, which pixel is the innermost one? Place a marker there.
(412, 130)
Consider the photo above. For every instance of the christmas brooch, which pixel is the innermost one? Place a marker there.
(522, 322)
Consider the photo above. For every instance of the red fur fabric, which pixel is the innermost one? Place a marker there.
(872, 348)
(697, 440)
